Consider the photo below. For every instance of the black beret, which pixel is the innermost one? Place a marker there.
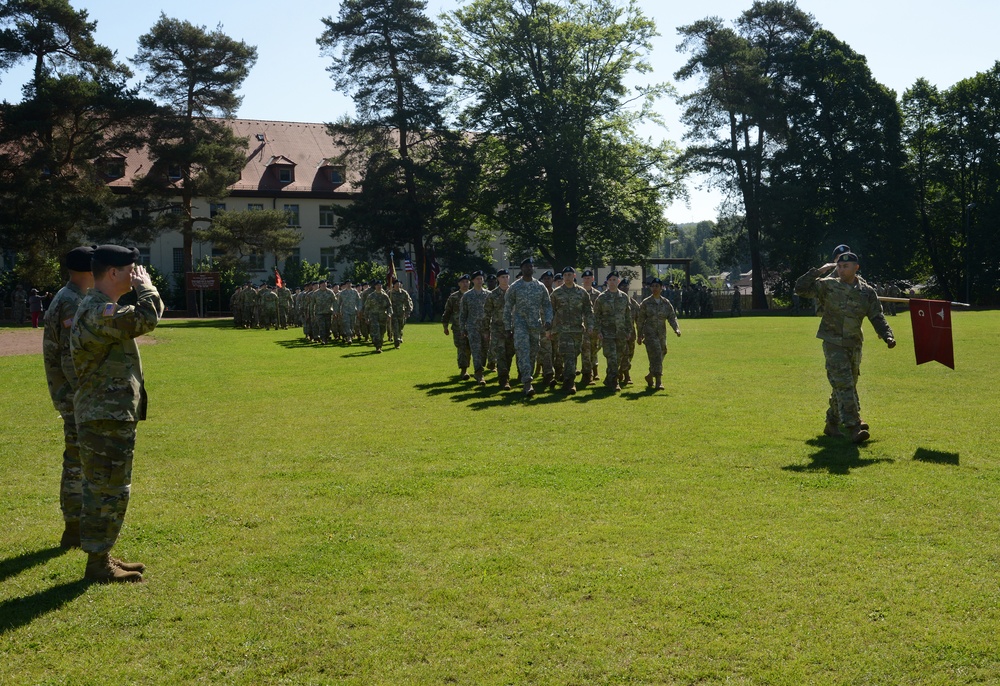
(840, 250)
(568, 270)
(588, 272)
(527, 260)
(464, 277)
(847, 257)
(547, 274)
(624, 283)
(558, 276)
(654, 281)
(614, 274)
(78, 259)
(115, 255)
(503, 272)
(476, 273)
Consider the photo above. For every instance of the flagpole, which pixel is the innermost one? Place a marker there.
(886, 299)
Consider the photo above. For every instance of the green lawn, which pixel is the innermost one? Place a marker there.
(326, 515)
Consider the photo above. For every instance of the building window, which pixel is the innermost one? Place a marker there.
(174, 172)
(178, 260)
(284, 175)
(216, 207)
(253, 206)
(114, 169)
(144, 257)
(255, 262)
(328, 258)
(336, 176)
(326, 216)
(293, 215)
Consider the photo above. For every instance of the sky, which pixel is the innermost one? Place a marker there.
(903, 40)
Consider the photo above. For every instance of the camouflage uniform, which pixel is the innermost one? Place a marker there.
(63, 383)
(402, 306)
(109, 401)
(475, 328)
(654, 312)
(349, 304)
(591, 345)
(625, 367)
(526, 309)
(268, 308)
(572, 321)
(844, 308)
(284, 307)
(323, 301)
(501, 343)
(451, 318)
(378, 310)
(614, 321)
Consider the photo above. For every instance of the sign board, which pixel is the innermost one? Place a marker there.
(203, 281)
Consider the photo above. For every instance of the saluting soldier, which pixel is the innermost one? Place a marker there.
(654, 312)
(845, 300)
(572, 320)
(527, 311)
(110, 400)
(62, 382)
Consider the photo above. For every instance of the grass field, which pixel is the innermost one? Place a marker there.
(325, 515)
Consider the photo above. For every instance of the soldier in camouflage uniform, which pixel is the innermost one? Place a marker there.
(450, 318)
(109, 400)
(527, 311)
(63, 383)
(323, 301)
(268, 308)
(614, 323)
(545, 343)
(845, 301)
(349, 303)
(654, 312)
(501, 342)
(284, 307)
(557, 360)
(473, 324)
(624, 372)
(378, 312)
(592, 342)
(572, 320)
(402, 306)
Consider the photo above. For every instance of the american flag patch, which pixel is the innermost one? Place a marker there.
(109, 310)
(68, 322)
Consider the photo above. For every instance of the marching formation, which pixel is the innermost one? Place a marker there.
(551, 322)
(326, 311)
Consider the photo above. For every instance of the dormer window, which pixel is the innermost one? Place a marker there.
(114, 168)
(174, 172)
(282, 168)
(332, 170)
(336, 175)
(285, 174)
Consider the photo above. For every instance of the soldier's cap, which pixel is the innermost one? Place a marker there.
(624, 283)
(374, 282)
(547, 274)
(527, 260)
(840, 250)
(655, 282)
(115, 255)
(610, 274)
(476, 273)
(558, 276)
(847, 257)
(78, 259)
(568, 270)
(587, 272)
(464, 277)
(503, 272)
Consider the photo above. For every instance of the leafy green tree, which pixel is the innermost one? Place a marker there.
(364, 271)
(298, 272)
(195, 73)
(557, 169)
(260, 232)
(390, 57)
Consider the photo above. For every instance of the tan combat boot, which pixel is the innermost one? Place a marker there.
(128, 566)
(649, 380)
(101, 570)
(71, 536)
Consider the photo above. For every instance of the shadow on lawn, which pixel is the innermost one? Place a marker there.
(836, 456)
(16, 565)
(18, 612)
(935, 456)
(489, 396)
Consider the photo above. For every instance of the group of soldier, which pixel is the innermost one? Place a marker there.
(328, 312)
(551, 322)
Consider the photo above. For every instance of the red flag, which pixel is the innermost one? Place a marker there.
(391, 275)
(931, 321)
(277, 279)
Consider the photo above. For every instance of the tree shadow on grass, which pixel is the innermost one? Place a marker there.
(836, 456)
(16, 565)
(18, 612)
(935, 456)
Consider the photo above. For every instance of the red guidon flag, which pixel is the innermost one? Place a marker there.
(391, 273)
(277, 279)
(931, 321)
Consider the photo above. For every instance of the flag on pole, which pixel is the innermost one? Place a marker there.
(408, 264)
(931, 320)
(432, 276)
(277, 279)
(391, 275)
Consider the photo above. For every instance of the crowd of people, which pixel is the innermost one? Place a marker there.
(551, 322)
(28, 303)
(327, 312)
